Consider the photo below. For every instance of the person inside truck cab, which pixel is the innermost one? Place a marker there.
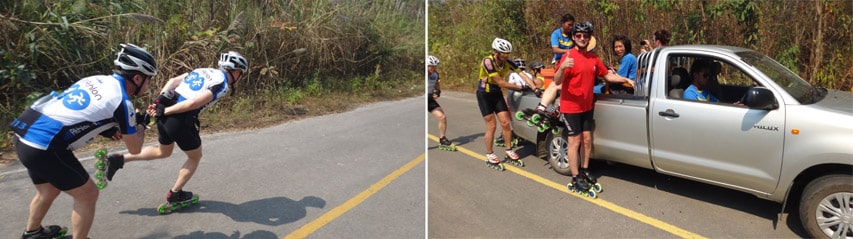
(702, 73)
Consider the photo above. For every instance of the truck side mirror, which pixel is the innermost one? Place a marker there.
(759, 98)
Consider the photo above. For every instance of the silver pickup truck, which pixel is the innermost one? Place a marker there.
(771, 134)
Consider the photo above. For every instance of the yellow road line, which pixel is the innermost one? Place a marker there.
(602, 203)
(321, 221)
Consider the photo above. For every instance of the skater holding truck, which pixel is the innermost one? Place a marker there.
(177, 108)
(494, 73)
(54, 126)
(576, 102)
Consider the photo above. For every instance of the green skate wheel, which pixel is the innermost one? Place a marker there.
(100, 165)
(101, 184)
(541, 128)
(62, 233)
(99, 175)
(536, 118)
(195, 199)
(163, 209)
(100, 153)
(519, 115)
(555, 131)
(530, 123)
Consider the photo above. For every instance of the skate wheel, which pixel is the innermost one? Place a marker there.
(596, 187)
(542, 128)
(519, 115)
(99, 175)
(164, 209)
(536, 118)
(514, 142)
(591, 194)
(520, 163)
(530, 123)
(100, 153)
(195, 199)
(62, 232)
(569, 187)
(100, 165)
(101, 185)
(555, 131)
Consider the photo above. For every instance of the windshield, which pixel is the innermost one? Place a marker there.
(790, 82)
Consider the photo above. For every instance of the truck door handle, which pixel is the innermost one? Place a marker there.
(668, 113)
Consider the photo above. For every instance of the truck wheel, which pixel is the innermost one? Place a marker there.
(556, 146)
(826, 207)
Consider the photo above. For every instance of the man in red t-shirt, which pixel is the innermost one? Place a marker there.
(576, 99)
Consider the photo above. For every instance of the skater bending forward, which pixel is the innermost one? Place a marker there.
(50, 130)
(177, 109)
(494, 72)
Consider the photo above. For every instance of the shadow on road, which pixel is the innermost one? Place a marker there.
(733, 199)
(270, 211)
(235, 235)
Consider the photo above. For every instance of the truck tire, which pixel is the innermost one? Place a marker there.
(826, 207)
(556, 146)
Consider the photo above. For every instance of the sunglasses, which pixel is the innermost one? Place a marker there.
(582, 36)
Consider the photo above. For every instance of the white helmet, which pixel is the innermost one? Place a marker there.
(501, 45)
(432, 61)
(134, 58)
(232, 60)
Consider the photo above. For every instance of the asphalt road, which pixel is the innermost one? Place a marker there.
(361, 173)
(467, 199)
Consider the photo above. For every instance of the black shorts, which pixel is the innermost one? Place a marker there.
(491, 103)
(60, 168)
(578, 122)
(181, 129)
(431, 104)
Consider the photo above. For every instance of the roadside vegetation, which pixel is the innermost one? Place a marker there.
(306, 58)
(812, 38)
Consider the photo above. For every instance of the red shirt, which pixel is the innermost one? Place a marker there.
(579, 80)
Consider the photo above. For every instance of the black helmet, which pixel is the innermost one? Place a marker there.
(134, 58)
(536, 65)
(585, 26)
(519, 63)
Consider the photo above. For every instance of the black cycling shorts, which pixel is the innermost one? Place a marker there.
(60, 168)
(181, 129)
(578, 122)
(431, 104)
(491, 103)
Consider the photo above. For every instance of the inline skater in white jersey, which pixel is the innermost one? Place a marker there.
(177, 109)
(54, 126)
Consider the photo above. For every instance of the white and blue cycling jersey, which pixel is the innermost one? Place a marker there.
(70, 119)
(202, 79)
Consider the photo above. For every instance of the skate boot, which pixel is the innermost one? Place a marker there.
(445, 144)
(49, 232)
(580, 186)
(541, 107)
(176, 201)
(513, 158)
(106, 167)
(593, 183)
(499, 141)
(493, 162)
